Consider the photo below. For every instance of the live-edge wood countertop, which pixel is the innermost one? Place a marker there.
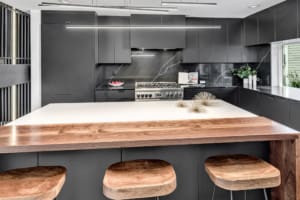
(61, 137)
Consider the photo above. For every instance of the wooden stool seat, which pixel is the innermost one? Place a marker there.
(242, 172)
(36, 183)
(139, 179)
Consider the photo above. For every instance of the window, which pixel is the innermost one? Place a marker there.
(291, 65)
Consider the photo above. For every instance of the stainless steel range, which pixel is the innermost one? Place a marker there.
(157, 91)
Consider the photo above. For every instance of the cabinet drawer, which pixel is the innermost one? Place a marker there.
(114, 95)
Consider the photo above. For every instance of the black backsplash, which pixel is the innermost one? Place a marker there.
(165, 65)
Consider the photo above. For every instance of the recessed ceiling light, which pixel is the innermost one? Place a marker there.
(64, 1)
(253, 6)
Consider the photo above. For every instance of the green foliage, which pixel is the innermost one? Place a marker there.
(294, 79)
(244, 72)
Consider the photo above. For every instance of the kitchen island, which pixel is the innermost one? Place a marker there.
(88, 137)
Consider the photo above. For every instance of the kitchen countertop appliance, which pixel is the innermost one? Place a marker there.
(145, 91)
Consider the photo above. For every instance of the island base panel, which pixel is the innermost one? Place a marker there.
(86, 168)
(283, 156)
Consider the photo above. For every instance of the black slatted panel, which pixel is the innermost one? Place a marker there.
(23, 51)
(22, 57)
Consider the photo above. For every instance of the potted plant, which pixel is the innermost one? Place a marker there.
(243, 73)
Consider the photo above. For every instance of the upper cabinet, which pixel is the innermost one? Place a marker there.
(266, 26)
(251, 30)
(235, 40)
(205, 45)
(277, 23)
(215, 45)
(157, 39)
(286, 19)
(114, 44)
(191, 52)
(213, 42)
(68, 17)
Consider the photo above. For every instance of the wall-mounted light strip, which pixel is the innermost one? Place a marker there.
(97, 7)
(183, 3)
(84, 27)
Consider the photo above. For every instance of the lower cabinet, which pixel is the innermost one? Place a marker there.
(114, 95)
(249, 100)
(275, 108)
(227, 94)
(294, 114)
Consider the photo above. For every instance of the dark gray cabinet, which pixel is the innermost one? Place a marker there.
(286, 20)
(174, 39)
(295, 114)
(114, 95)
(229, 94)
(158, 38)
(206, 45)
(190, 53)
(250, 54)
(266, 26)
(248, 100)
(235, 40)
(212, 46)
(68, 62)
(213, 42)
(275, 108)
(114, 44)
(251, 30)
(68, 17)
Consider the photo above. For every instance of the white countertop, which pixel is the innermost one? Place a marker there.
(65, 113)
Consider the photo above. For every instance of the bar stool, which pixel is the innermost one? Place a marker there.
(241, 173)
(35, 183)
(139, 179)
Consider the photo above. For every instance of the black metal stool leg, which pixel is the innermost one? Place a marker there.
(265, 194)
(231, 195)
(213, 195)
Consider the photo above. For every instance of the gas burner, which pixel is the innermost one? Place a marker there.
(157, 91)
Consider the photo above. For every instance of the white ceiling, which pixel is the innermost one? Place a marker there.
(224, 9)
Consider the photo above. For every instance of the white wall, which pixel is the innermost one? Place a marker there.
(35, 59)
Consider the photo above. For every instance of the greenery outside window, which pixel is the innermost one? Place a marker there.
(291, 65)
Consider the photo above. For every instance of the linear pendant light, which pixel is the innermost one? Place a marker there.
(185, 3)
(87, 27)
(131, 8)
(143, 55)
